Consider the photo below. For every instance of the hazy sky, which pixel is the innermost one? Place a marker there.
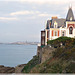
(22, 20)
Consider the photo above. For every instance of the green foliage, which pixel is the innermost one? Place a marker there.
(70, 68)
(58, 41)
(58, 52)
(65, 54)
(31, 64)
(54, 67)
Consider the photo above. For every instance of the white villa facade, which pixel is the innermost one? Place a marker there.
(59, 27)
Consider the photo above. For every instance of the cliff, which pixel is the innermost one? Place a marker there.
(44, 53)
(57, 57)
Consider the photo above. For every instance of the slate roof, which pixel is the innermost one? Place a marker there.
(69, 15)
(48, 24)
(60, 22)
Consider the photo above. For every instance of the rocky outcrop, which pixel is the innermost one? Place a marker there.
(8, 70)
(44, 53)
(18, 69)
(4, 69)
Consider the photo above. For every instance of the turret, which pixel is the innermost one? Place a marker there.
(70, 16)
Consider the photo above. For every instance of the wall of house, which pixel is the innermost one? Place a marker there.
(54, 33)
(61, 30)
(47, 35)
(68, 25)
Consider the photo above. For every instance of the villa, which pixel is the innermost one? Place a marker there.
(57, 27)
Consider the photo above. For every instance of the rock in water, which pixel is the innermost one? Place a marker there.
(4, 69)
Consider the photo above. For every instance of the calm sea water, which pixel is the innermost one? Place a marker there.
(13, 55)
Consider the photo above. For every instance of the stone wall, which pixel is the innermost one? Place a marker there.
(39, 53)
(44, 53)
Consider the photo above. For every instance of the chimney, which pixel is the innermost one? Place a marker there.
(54, 17)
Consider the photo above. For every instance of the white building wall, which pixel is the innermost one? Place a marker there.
(62, 29)
(50, 34)
(67, 29)
(71, 35)
(67, 32)
(74, 33)
(53, 37)
(59, 32)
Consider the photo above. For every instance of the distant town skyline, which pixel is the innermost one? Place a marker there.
(22, 20)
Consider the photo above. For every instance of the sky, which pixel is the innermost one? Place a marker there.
(23, 20)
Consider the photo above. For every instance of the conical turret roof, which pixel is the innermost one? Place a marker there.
(70, 15)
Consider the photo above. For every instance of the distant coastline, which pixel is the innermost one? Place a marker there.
(22, 43)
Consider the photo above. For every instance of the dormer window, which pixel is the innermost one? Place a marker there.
(70, 18)
(55, 24)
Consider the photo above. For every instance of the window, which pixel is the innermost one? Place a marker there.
(55, 33)
(62, 33)
(55, 24)
(70, 30)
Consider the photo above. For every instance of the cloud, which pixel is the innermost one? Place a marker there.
(24, 12)
(47, 1)
(33, 14)
(30, 18)
(8, 18)
(33, 1)
(44, 15)
(47, 15)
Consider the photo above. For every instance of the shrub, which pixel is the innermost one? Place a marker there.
(31, 64)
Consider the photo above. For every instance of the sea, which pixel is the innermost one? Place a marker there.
(12, 55)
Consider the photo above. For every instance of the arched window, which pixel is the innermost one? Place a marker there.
(70, 30)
